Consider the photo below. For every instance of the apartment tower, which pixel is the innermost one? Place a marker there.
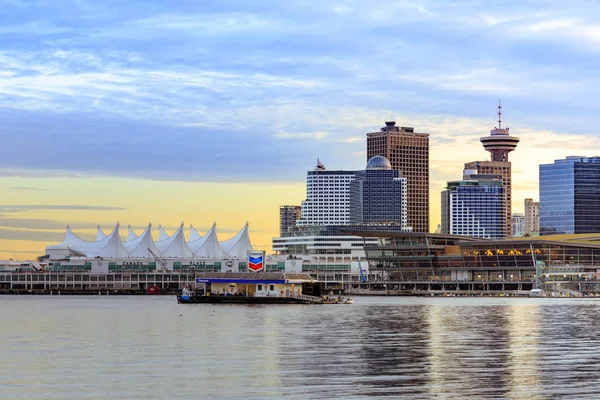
(288, 215)
(474, 206)
(408, 152)
(499, 143)
(532, 216)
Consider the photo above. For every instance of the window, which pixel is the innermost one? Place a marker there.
(272, 287)
(259, 287)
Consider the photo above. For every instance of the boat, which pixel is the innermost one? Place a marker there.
(249, 288)
(337, 300)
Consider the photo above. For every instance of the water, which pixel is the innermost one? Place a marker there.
(152, 348)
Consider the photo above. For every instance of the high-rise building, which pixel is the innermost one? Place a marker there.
(570, 196)
(475, 206)
(378, 194)
(327, 197)
(532, 216)
(288, 215)
(499, 144)
(408, 152)
(518, 223)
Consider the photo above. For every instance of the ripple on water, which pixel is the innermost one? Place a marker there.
(151, 347)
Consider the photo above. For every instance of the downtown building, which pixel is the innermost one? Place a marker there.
(337, 200)
(475, 206)
(570, 196)
(532, 216)
(378, 195)
(518, 224)
(327, 197)
(288, 216)
(499, 143)
(407, 152)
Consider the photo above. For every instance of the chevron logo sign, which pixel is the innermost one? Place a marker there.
(256, 260)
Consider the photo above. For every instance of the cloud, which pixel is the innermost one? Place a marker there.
(227, 93)
(30, 235)
(4, 208)
(42, 224)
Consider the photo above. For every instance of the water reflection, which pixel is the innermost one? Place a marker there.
(400, 347)
(524, 329)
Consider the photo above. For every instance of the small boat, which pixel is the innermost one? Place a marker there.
(337, 300)
(186, 294)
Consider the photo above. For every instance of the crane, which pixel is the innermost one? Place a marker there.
(163, 265)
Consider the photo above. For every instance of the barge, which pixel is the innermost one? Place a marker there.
(251, 288)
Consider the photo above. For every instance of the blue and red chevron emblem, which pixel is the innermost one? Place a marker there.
(256, 260)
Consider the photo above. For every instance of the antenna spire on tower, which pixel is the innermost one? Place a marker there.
(499, 115)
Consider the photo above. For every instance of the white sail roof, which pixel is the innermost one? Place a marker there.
(175, 246)
(194, 235)
(100, 234)
(110, 246)
(207, 246)
(131, 234)
(162, 235)
(238, 245)
(138, 247)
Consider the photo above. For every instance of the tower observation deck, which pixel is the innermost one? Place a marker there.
(500, 143)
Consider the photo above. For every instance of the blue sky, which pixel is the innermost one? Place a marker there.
(235, 88)
(247, 91)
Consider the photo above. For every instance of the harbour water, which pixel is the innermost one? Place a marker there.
(149, 347)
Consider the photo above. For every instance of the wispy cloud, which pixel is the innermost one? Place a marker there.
(5, 208)
(222, 93)
(30, 235)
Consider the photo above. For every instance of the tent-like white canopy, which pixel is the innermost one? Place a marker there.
(194, 235)
(175, 246)
(100, 234)
(136, 246)
(162, 235)
(139, 246)
(207, 246)
(131, 234)
(110, 246)
(238, 246)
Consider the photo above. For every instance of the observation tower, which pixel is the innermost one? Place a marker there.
(500, 143)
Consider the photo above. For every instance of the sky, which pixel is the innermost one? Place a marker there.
(213, 111)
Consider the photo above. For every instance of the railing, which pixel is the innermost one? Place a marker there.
(312, 299)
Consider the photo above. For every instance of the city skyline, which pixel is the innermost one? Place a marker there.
(179, 112)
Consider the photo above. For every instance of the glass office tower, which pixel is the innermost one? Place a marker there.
(570, 196)
(378, 195)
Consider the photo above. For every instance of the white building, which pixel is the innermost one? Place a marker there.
(327, 197)
(140, 254)
(518, 223)
(475, 206)
(338, 254)
(109, 253)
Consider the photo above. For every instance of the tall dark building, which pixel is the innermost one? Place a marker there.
(378, 194)
(408, 152)
(570, 196)
(288, 215)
